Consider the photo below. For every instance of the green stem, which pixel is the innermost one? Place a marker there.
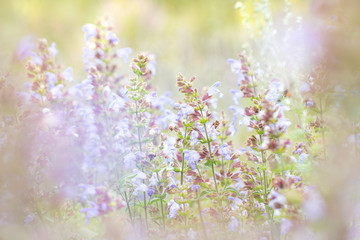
(128, 206)
(161, 204)
(183, 159)
(209, 146)
(140, 148)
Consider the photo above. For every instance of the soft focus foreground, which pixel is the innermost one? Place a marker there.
(271, 153)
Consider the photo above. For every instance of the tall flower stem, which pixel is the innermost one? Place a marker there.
(209, 146)
(183, 160)
(128, 206)
(140, 149)
(161, 205)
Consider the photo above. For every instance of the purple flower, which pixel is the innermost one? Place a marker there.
(174, 207)
(116, 102)
(237, 95)
(87, 189)
(276, 89)
(36, 59)
(214, 90)
(153, 180)
(309, 102)
(195, 187)
(92, 211)
(150, 191)
(235, 66)
(194, 137)
(185, 110)
(68, 74)
(192, 157)
(304, 87)
(225, 151)
(111, 37)
(90, 31)
(51, 79)
(130, 160)
(52, 50)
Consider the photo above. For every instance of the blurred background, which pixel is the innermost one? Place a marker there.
(188, 37)
(196, 37)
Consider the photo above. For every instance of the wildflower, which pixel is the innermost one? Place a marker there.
(130, 160)
(87, 189)
(185, 110)
(239, 184)
(90, 31)
(276, 89)
(237, 95)
(302, 157)
(150, 191)
(309, 103)
(194, 137)
(277, 201)
(225, 151)
(51, 79)
(139, 176)
(192, 157)
(174, 207)
(116, 102)
(235, 66)
(195, 188)
(68, 74)
(52, 50)
(304, 87)
(92, 211)
(214, 90)
(153, 180)
(140, 187)
(111, 37)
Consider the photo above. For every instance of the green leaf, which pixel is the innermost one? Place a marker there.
(232, 190)
(154, 200)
